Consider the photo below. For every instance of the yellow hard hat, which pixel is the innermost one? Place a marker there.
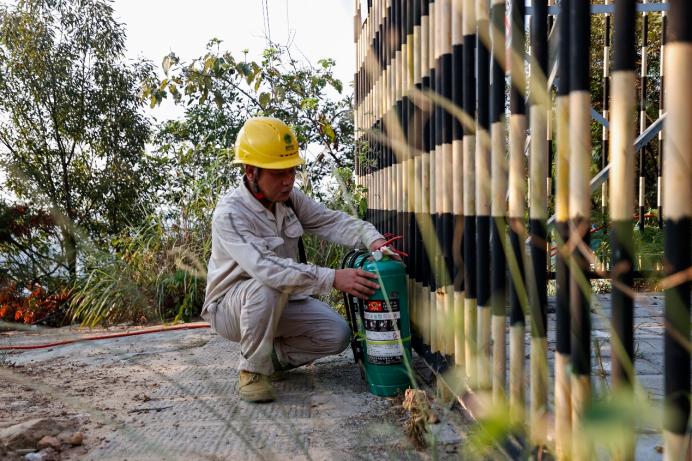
(267, 142)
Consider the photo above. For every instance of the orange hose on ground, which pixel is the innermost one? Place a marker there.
(190, 326)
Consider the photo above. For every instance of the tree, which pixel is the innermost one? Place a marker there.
(72, 132)
(221, 91)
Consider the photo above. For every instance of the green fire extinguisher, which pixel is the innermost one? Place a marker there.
(380, 325)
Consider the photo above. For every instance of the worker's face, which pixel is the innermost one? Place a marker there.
(276, 185)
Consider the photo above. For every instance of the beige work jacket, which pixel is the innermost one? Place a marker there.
(249, 241)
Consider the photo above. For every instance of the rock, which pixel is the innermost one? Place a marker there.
(26, 435)
(49, 442)
(76, 439)
(47, 454)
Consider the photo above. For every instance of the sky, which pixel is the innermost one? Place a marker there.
(316, 28)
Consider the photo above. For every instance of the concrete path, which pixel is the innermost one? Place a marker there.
(173, 396)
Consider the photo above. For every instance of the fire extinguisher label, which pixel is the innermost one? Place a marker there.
(382, 335)
(385, 353)
(382, 316)
(383, 331)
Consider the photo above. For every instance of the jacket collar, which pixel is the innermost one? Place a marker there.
(256, 206)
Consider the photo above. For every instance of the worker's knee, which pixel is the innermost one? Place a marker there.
(341, 336)
(261, 297)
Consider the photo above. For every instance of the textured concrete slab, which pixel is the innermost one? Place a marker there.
(174, 395)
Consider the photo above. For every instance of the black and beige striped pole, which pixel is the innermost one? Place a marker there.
(677, 197)
(538, 214)
(469, 149)
(458, 180)
(517, 196)
(498, 175)
(661, 110)
(435, 297)
(446, 175)
(580, 212)
(414, 143)
(622, 159)
(563, 409)
(424, 221)
(357, 94)
(606, 112)
(414, 247)
(483, 194)
(642, 116)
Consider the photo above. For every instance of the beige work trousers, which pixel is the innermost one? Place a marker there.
(259, 317)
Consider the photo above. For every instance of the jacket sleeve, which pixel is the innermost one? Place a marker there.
(335, 226)
(236, 237)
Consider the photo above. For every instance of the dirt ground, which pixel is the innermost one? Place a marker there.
(173, 395)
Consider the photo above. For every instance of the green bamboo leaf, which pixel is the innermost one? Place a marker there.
(329, 131)
(264, 99)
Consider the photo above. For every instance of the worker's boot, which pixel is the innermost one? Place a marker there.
(255, 387)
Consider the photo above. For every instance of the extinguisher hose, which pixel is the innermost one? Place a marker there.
(351, 314)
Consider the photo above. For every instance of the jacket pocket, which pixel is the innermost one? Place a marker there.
(273, 242)
(294, 229)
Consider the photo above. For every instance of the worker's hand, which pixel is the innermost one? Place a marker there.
(378, 245)
(356, 282)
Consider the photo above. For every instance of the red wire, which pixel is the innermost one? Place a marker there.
(190, 326)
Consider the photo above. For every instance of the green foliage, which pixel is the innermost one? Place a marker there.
(220, 91)
(29, 243)
(71, 129)
(156, 274)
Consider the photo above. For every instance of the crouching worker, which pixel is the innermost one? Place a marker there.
(258, 293)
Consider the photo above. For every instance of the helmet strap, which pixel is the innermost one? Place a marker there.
(253, 187)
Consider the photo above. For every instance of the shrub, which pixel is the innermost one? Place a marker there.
(33, 306)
